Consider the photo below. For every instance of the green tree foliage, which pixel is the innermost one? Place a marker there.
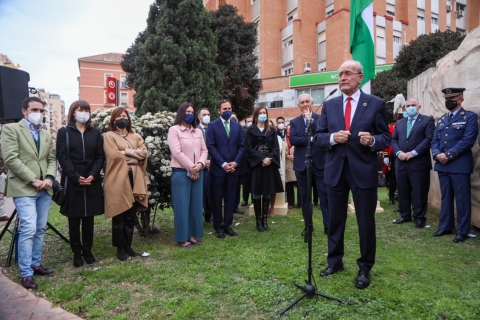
(416, 57)
(235, 57)
(174, 58)
(128, 62)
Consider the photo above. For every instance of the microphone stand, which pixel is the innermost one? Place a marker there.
(309, 289)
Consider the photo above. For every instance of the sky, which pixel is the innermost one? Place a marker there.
(46, 37)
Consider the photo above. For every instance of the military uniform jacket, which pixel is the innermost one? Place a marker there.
(455, 137)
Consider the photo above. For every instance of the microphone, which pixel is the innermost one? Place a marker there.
(331, 92)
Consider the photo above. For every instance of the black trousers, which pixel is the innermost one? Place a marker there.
(290, 190)
(85, 244)
(123, 226)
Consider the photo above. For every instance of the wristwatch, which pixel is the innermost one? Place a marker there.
(33, 181)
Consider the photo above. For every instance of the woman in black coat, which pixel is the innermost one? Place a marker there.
(81, 165)
(263, 155)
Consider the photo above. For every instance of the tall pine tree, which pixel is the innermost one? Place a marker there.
(238, 63)
(174, 60)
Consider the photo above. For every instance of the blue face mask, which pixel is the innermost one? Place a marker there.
(226, 115)
(189, 117)
(412, 111)
(262, 118)
(405, 114)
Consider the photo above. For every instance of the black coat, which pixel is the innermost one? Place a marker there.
(263, 180)
(86, 158)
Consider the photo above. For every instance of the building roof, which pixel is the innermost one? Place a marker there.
(111, 57)
(6, 61)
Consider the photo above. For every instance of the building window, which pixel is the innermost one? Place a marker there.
(270, 99)
(331, 12)
(123, 82)
(124, 98)
(105, 76)
(397, 39)
(318, 94)
(434, 20)
(420, 18)
(462, 32)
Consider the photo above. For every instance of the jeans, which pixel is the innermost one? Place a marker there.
(33, 214)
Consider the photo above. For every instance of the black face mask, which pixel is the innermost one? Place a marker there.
(121, 123)
(451, 104)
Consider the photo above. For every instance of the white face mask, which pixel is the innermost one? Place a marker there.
(35, 118)
(249, 123)
(82, 117)
(206, 119)
(281, 126)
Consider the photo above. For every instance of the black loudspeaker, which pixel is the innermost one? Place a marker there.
(13, 90)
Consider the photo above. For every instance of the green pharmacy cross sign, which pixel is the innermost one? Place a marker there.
(321, 78)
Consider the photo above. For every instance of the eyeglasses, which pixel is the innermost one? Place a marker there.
(347, 73)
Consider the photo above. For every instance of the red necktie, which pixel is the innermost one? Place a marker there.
(348, 111)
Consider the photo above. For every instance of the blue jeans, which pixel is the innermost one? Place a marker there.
(33, 215)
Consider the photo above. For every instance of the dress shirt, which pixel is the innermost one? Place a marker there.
(353, 104)
(32, 129)
(415, 153)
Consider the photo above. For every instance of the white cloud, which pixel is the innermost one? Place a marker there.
(47, 37)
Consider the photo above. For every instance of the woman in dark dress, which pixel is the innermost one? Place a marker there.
(263, 154)
(81, 164)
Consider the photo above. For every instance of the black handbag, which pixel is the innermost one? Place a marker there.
(60, 192)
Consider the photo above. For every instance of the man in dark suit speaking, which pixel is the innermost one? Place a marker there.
(354, 128)
(226, 148)
(411, 143)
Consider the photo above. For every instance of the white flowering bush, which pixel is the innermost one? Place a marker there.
(154, 130)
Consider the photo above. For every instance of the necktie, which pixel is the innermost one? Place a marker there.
(409, 126)
(450, 116)
(227, 129)
(348, 111)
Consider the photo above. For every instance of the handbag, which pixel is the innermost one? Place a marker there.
(60, 192)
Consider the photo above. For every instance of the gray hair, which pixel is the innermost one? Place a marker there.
(409, 99)
(359, 65)
(303, 94)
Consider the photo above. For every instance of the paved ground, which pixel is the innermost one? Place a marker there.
(18, 303)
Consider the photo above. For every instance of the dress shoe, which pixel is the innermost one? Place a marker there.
(420, 224)
(460, 238)
(219, 233)
(88, 256)
(131, 253)
(29, 283)
(304, 232)
(440, 233)
(328, 271)
(402, 221)
(229, 231)
(290, 207)
(237, 211)
(4, 218)
(244, 204)
(121, 254)
(185, 246)
(77, 259)
(41, 271)
(196, 243)
(363, 279)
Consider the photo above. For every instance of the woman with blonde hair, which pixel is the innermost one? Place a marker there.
(125, 186)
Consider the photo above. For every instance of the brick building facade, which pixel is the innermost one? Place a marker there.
(299, 41)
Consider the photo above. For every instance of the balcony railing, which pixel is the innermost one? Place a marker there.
(291, 4)
(255, 9)
(287, 32)
(287, 54)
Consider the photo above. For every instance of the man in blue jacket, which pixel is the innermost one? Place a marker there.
(452, 143)
(226, 148)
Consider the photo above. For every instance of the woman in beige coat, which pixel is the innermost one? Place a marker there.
(290, 177)
(125, 187)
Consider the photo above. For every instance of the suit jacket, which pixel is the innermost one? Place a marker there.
(455, 138)
(420, 140)
(370, 116)
(222, 148)
(298, 139)
(23, 161)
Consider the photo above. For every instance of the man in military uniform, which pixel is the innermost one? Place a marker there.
(454, 137)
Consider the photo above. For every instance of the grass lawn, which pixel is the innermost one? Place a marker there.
(251, 276)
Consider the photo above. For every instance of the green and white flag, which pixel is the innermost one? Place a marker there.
(361, 36)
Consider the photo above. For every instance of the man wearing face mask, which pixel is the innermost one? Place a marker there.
(411, 143)
(30, 158)
(281, 132)
(204, 118)
(454, 137)
(226, 147)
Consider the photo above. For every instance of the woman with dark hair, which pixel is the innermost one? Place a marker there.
(125, 186)
(189, 154)
(263, 154)
(81, 158)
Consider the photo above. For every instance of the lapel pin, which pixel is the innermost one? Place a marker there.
(462, 113)
(364, 104)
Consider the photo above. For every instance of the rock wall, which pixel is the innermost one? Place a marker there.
(460, 68)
